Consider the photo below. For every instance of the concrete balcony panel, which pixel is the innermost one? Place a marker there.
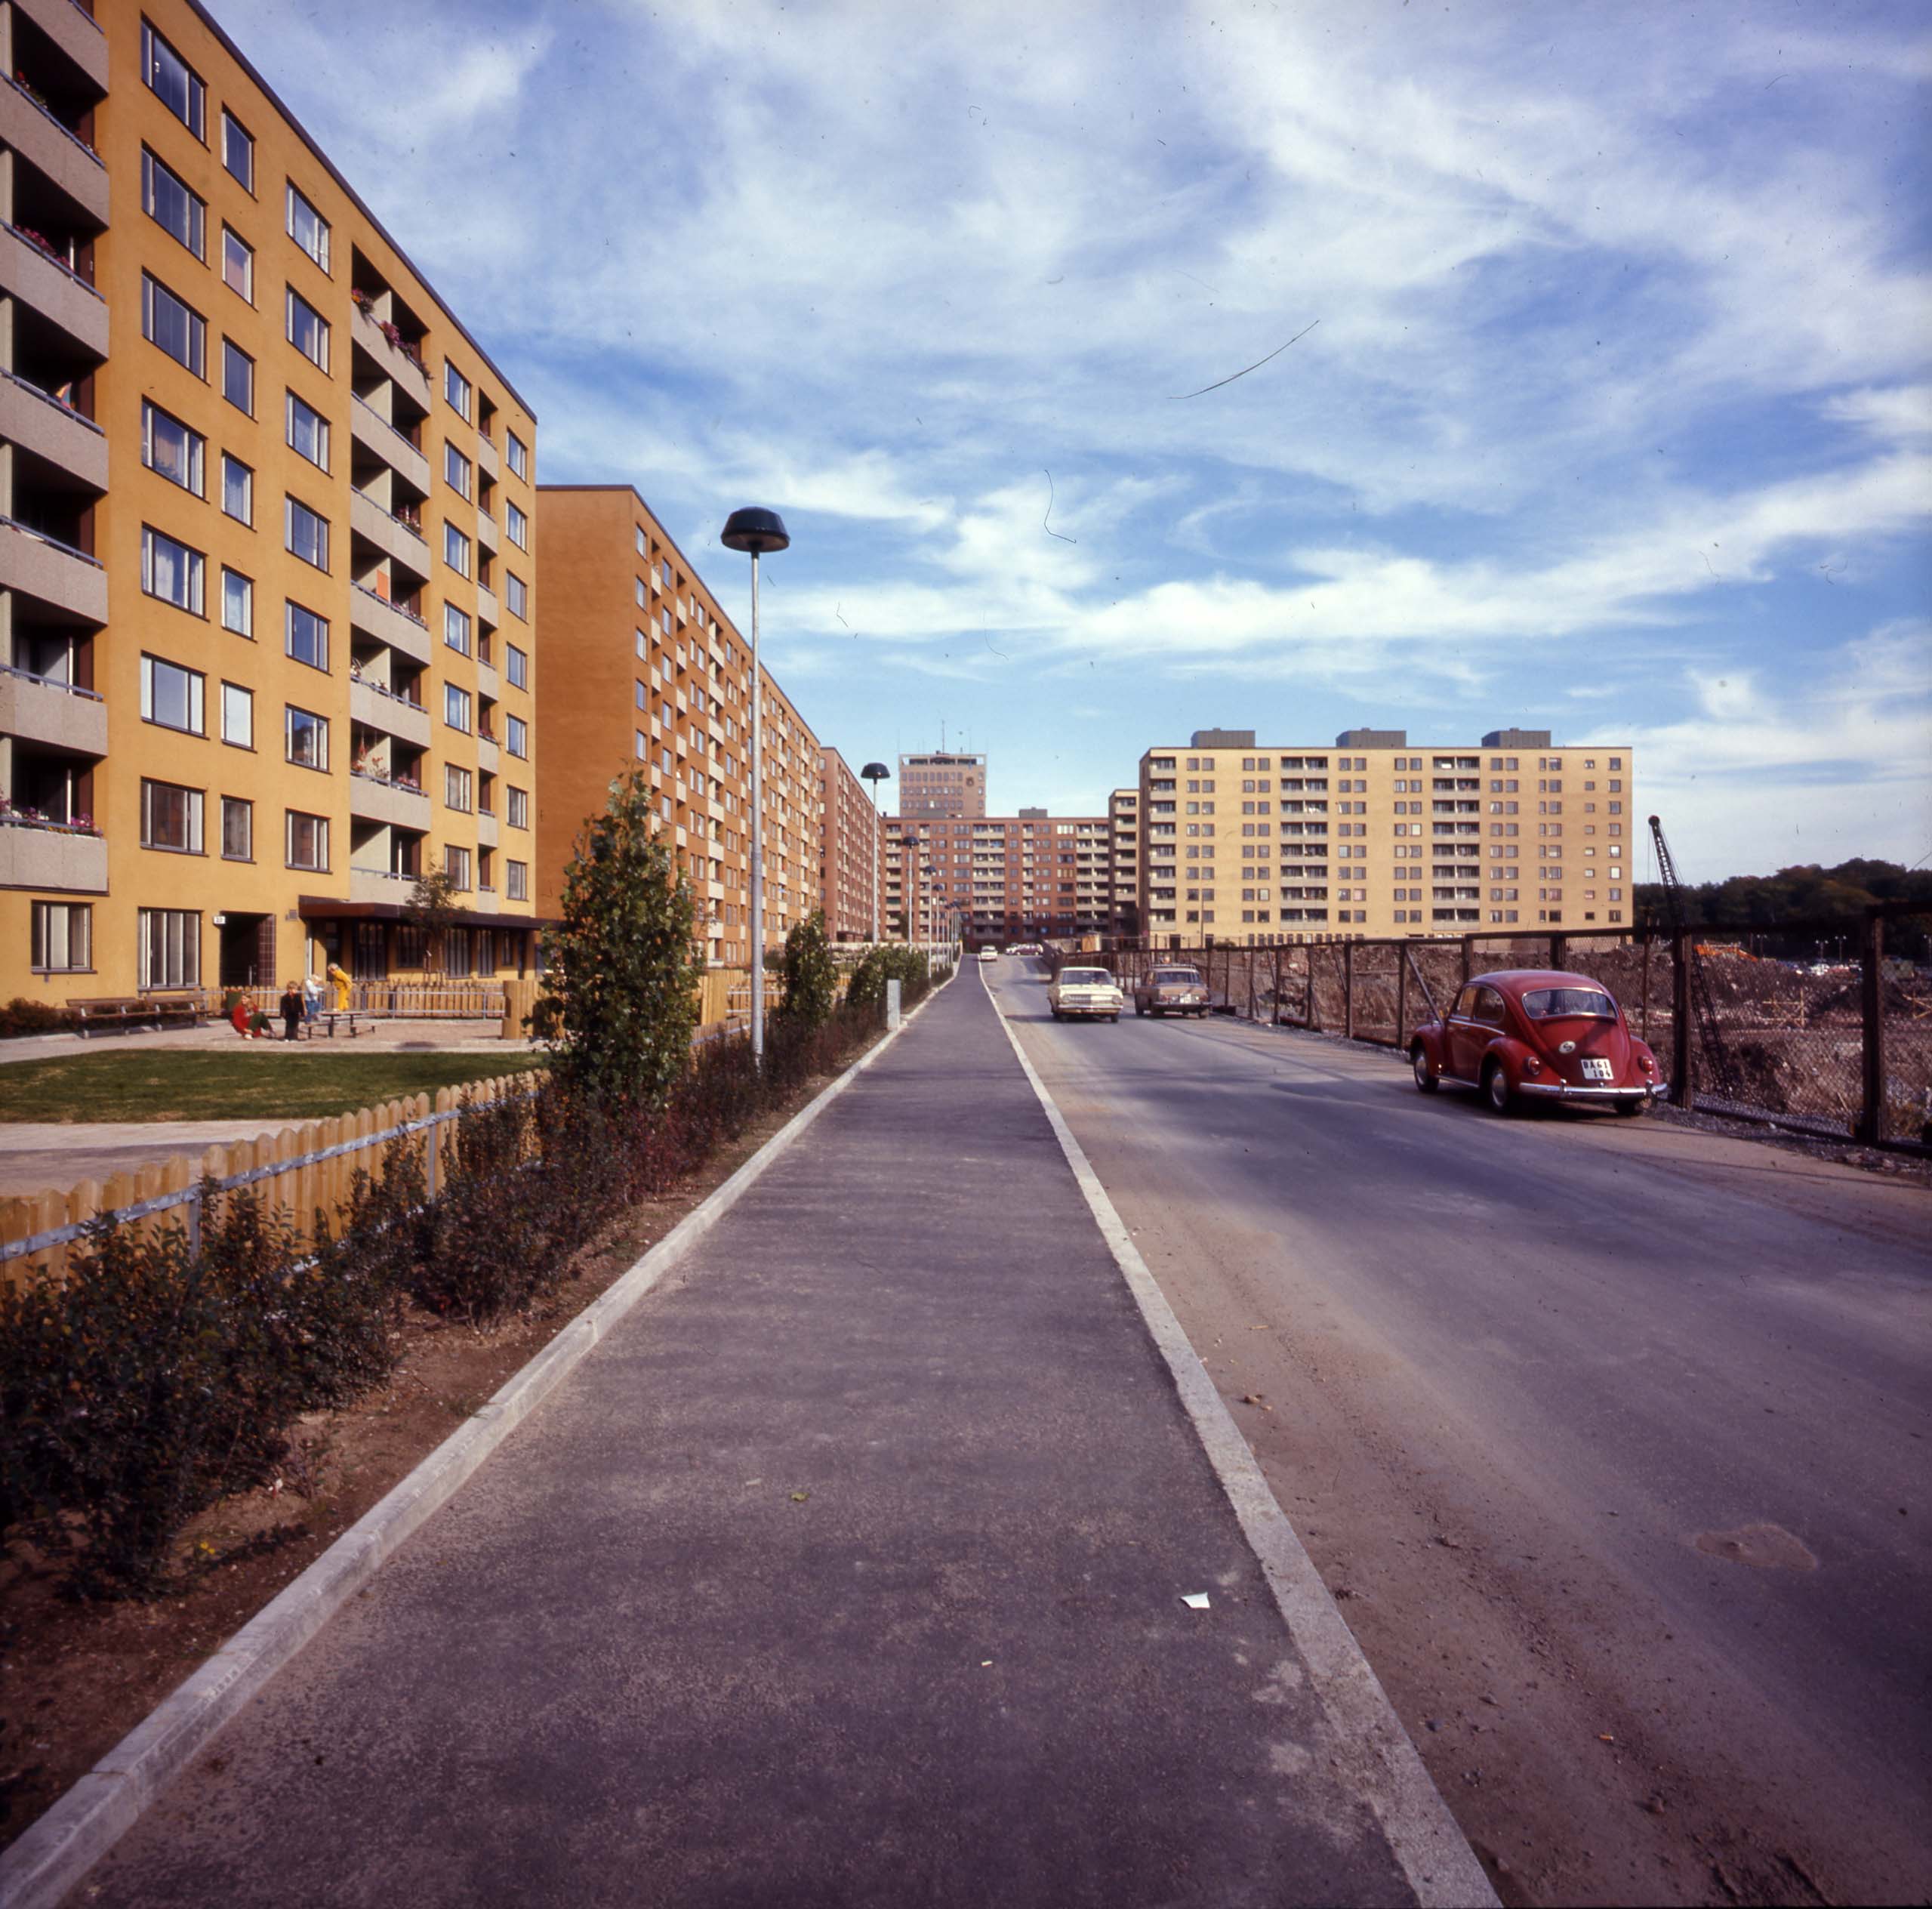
(488, 536)
(488, 614)
(382, 439)
(370, 800)
(376, 616)
(28, 274)
(489, 683)
(37, 709)
(52, 573)
(486, 458)
(486, 830)
(488, 755)
(390, 714)
(411, 376)
(39, 423)
(77, 36)
(36, 136)
(52, 859)
(379, 885)
(389, 535)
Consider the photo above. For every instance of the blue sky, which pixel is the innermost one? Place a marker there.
(1611, 411)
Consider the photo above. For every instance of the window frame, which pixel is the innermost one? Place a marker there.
(231, 463)
(196, 448)
(196, 362)
(292, 298)
(248, 584)
(230, 124)
(246, 252)
(291, 611)
(197, 571)
(314, 723)
(193, 810)
(291, 398)
(40, 938)
(452, 460)
(195, 89)
(247, 697)
(516, 666)
(518, 453)
(154, 166)
(233, 355)
(295, 196)
(516, 524)
(319, 835)
(455, 618)
(290, 503)
(176, 924)
(237, 805)
(465, 409)
(456, 697)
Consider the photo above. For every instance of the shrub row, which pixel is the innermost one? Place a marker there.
(21, 1016)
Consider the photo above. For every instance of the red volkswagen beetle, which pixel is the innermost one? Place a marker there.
(1531, 1033)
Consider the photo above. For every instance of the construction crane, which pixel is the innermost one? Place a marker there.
(1717, 1056)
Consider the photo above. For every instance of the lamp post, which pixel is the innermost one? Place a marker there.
(876, 773)
(755, 532)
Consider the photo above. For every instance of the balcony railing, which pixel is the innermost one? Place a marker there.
(363, 404)
(49, 683)
(48, 113)
(389, 603)
(43, 247)
(48, 398)
(52, 543)
(13, 818)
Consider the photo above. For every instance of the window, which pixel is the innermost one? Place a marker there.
(517, 881)
(172, 571)
(456, 470)
(456, 707)
(516, 735)
(519, 667)
(307, 533)
(456, 861)
(517, 813)
(516, 594)
(308, 228)
(238, 377)
(237, 149)
(170, 818)
(172, 80)
(238, 715)
(237, 489)
(238, 829)
(171, 947)
(166, 200)
(63, 937)
(306, 736)
(180, 331)
(519, 467)
(456, 786)
(308, 432)
(308, 330)
(456, 389)
(307, 637)
(518, 526)
(168, 446)
(308, 840)
(238, 263)
(456, 628)
(238, 602)
(456, 550)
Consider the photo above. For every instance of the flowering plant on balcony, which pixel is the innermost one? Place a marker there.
(28, 817)
(361, 299)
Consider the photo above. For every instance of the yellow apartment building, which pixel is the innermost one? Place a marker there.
(645, 671)
(848, 857)
(1378, 836)
(1123, 815)
(267, 573)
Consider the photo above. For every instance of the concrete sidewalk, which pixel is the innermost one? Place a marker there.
(849, 1569)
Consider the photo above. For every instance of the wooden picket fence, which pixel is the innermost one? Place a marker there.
(299, 1170)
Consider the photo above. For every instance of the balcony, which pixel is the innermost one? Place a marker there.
(489, 683)
(381, 709)
(402, 543)
(486, 829)
(66, 160)
(408, 372)
(379, 885)
(487, 756)
(486, 458)
(62, 297)
(487, 535)
(375, 798)
(57, 859)
(38, 421)
(52, 573)
(74, 32)
(373, 614)
(57, 716)
(378, 436)
(488, 614)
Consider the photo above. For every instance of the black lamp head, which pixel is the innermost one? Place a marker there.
(758, 532)
(876, 772)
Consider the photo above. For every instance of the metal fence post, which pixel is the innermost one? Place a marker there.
(1559, 950)
(1401, 993)
(1348, 990)
(1871, 953)
(1469, 943)
(1643, 1027)
(1683, 1047)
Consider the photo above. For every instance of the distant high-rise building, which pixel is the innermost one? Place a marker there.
(1000, 878)
(942, 782)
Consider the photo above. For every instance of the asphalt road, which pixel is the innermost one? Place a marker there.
(1610, 1437)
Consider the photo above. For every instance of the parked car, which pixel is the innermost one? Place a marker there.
(1525, 1034)
(1174, 989)
(1091, 991)
(989, 954)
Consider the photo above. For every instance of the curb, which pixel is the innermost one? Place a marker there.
(58, 1849)
(1383, 1764)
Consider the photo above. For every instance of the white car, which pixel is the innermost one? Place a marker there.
(1090, 991)
(989, 954)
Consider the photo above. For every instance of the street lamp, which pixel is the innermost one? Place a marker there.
(756, 532)
(876, 773)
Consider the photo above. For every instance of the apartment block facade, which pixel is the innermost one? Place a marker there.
(267, 569)
(999, 878)
(645, 672)
(1124, 812)
(1378, 836)
(850, 857)
(942, 782)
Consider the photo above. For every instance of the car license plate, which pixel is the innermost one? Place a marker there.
(1597, 1070)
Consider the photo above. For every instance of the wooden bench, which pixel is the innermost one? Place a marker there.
(347, 1017)
(138, 1010)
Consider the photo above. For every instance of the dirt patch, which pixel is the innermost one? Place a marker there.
(75, 1678)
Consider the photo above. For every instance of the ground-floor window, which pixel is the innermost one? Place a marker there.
(171, 947)
(63, 937)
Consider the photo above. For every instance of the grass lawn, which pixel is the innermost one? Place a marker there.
(186, 1083)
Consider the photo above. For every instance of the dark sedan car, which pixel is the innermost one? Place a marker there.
(1174, 989)
(1528, 1033)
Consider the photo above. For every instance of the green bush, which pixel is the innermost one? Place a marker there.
(892, 961)
(20, 1015)
(811, 976)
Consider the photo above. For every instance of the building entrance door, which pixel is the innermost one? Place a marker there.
(248, 951)
(371, 957)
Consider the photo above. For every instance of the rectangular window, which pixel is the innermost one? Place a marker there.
(238, 715)
(168, 446)
(456, 550)
(170, 818)
(237, 149)
(456, 628)
(519, 663)
(238, 377)
(166, 200)
(306, 736)
(171, 947)
(238, 263)
(63, 937)
(172, 571)
(308, 431)
(519, 458)
(306, 534)
(238, 829)
(307, 637)
(456, 708)
(456, 788)
(456, 861)
(456, 470)
(456, 389)
(516, 594)
(237, 489)
(172, 80)
(517, 812)
(516, 881)
(516, 735)
(308, 330)
(308, 228)
(177, 327)
(308, 841)
(517, 525)
(238, 602)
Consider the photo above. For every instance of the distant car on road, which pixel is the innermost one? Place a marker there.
(1524, 1034)
(1174, 989)
(989, 954)
(1090, 991)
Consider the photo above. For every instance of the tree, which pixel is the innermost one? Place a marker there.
(435, 906)
(811, 976)
(621, 968)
